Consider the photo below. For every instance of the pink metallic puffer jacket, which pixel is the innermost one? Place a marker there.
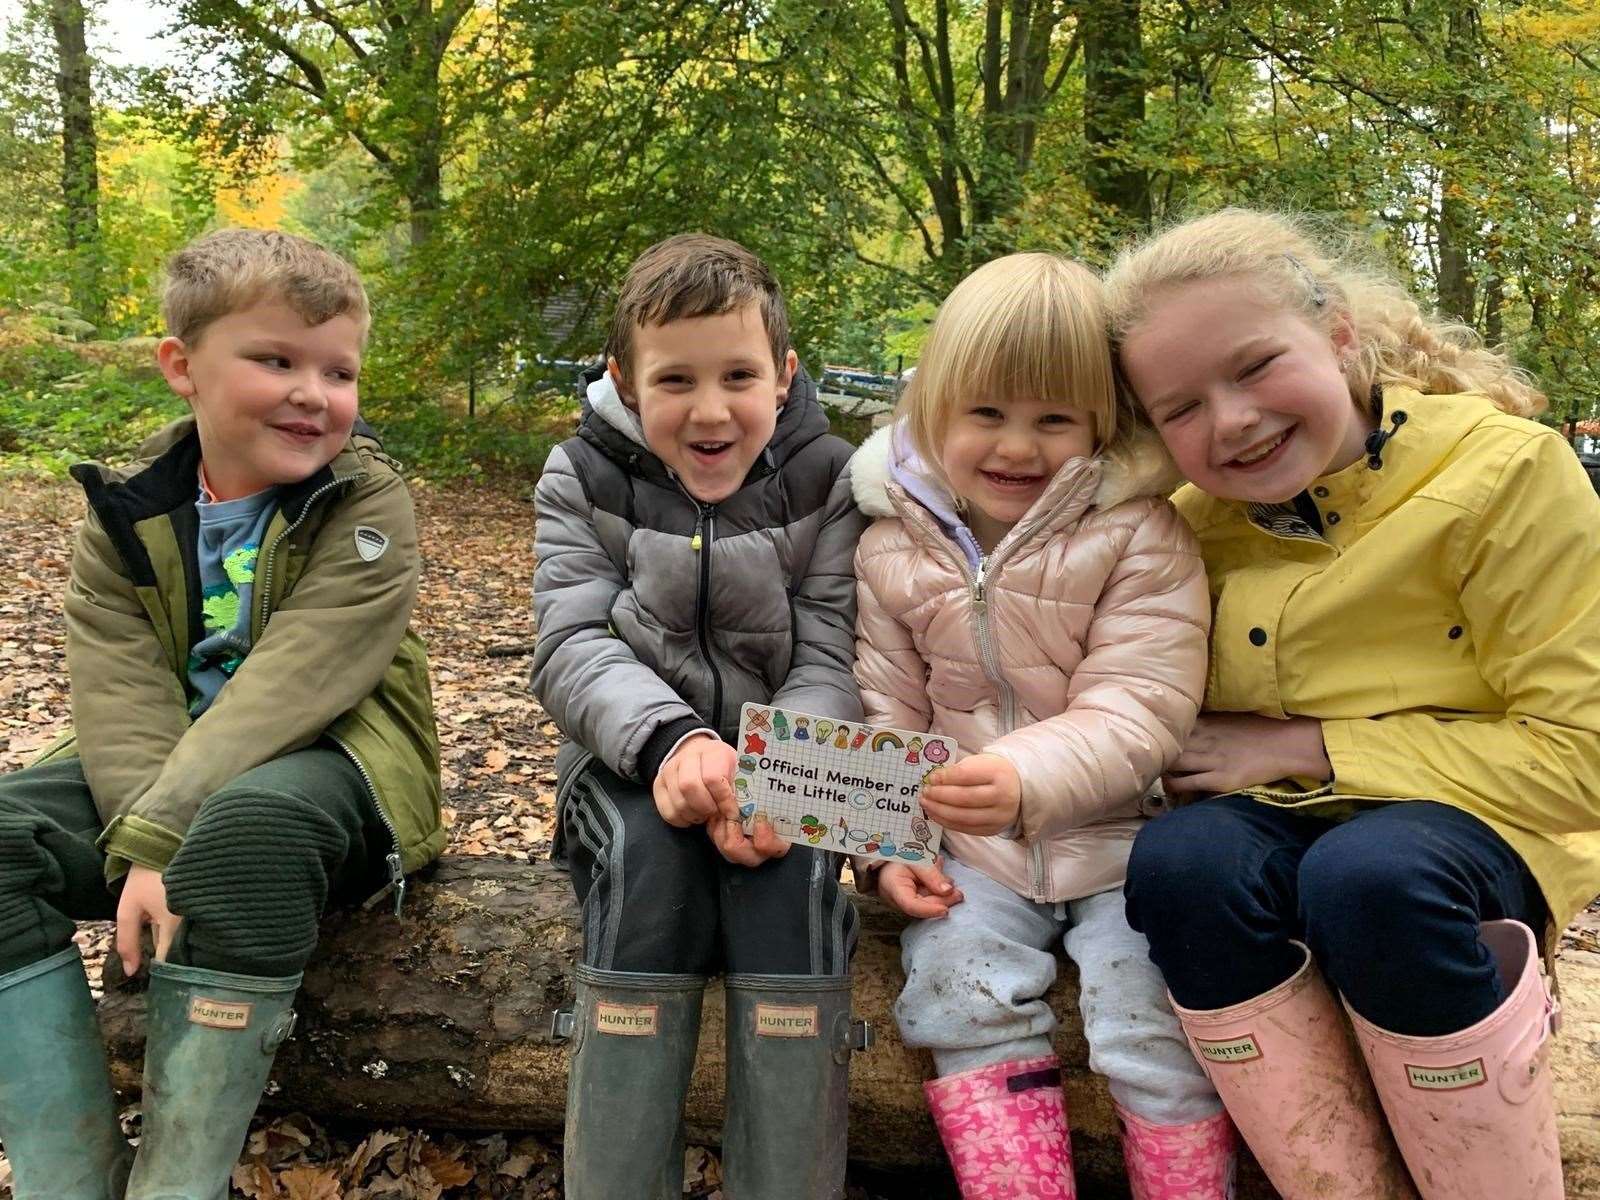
(1076, 649)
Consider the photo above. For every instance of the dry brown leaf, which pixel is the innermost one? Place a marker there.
(446, 1168)
(254, 1180)
(310, 1183)
(375, 1144)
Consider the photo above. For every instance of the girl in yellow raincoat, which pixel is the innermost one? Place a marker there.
(1396, 778)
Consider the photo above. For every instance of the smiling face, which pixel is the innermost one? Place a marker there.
(1000, 455)
(707, 393)
(1248, 395)
(274, 399)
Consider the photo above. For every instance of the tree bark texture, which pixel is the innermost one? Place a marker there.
(1113, 105)
(80, 174)
(442, 1018)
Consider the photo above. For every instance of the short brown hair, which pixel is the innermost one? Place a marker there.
(231, 269)
(695, 275)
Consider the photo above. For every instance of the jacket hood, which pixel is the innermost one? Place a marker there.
(1138, 467)
(608, 423)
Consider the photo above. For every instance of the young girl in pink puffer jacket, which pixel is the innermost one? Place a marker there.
(1028, 591)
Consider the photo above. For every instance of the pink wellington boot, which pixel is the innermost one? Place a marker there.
(1475, 1112)
(1178, 1162)
(1005, 1129)
(1289, 1074)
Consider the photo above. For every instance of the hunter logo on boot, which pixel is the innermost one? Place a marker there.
(786, 1020)
(1447, 1079)
(219, 1014)
(629, 1020)
(1234, 1050)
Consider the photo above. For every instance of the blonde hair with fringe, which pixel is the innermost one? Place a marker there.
(231, 269)
(1027, 326)
(1398, 342)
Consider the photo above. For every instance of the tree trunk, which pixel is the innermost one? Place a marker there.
(1113, 105)
(1457, 285)
(80, 175)
(442, 1018)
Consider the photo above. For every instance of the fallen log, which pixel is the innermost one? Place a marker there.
(442, 1018)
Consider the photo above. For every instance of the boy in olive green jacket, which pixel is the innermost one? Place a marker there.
(253, 734)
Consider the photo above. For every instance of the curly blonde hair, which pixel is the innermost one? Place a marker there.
(1398, 342)
(1026, 326)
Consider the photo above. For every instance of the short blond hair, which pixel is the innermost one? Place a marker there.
(1322, 278)
(1026, 326)
(695, 275)
(232, 269)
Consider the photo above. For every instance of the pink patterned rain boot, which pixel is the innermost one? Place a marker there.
(1005, 1129)
(1289, 1074)
(1475, 1112)
(1178, 1162)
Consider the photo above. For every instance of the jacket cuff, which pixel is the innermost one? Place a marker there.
(865, 871)
(133, 839)
(1350, 763)
(658, 747)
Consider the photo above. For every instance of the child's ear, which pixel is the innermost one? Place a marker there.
(1346, 343)
(172, 356)
(786, 376)
(614, 369)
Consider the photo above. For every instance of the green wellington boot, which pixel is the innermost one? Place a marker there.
(790, 1038)
(634, 1038)
(210, 1043)
(58, 1118)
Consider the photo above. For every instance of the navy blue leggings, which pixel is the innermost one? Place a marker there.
(1389, 902)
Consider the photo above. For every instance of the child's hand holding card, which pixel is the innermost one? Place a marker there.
(838, 786)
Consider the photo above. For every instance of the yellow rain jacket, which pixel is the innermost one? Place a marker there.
(1444, 627)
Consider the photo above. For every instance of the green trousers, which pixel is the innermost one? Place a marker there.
(265, 856)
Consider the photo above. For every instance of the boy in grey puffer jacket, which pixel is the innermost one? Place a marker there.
(695, 547)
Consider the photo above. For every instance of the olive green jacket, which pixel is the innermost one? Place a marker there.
(332, 657)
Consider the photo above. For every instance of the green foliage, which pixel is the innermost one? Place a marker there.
(509, 440)
(63, 402)
(493, 168)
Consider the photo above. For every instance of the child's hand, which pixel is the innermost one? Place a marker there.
(695, 783)
(918, 891)
(1230, 751)
(746, 849)
(144, 902)
(980, 795)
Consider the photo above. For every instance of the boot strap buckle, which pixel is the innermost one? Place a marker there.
(562, 1023)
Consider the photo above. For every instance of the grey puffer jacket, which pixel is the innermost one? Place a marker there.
(646, 635)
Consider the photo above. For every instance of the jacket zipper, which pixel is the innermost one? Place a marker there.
(1008, 698)
(977, 583)
(394, 861)
(707, 520)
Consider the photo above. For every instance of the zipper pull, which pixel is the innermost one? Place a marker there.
(397, 881)
(699, 523)
(978, 601)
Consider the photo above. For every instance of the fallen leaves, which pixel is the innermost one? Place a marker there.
(295, 1158)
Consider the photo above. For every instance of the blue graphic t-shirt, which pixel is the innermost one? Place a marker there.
(229, 541)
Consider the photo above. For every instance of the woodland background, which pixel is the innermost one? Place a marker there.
(492, 166)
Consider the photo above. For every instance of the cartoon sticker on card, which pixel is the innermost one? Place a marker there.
(825, 783)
